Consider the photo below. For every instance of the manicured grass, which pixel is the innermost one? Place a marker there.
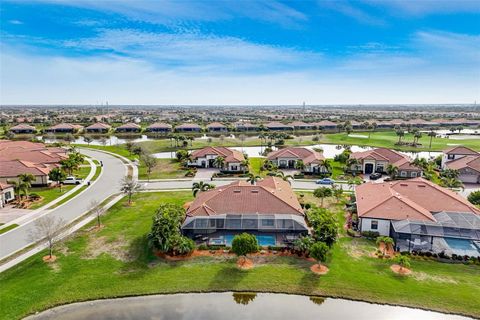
(255, 166)
(82, 172)
(10, 227)
(118, 149)
(98, 170)
(165, 169)
(115, 261)
(48, 194)
(70, 196)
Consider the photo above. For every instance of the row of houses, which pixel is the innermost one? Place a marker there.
(241, 126)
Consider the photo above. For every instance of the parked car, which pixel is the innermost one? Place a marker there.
(375, 176)
(325, 181)
(72, 180)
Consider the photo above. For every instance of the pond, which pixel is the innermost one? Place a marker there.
(235, 306)
(329, 151)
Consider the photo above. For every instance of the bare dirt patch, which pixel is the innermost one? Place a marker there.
(399, 270)
(99, 245)
(422, 276)
(245, 263)
(319, 269)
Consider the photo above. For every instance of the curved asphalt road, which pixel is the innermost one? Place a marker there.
(108, 183)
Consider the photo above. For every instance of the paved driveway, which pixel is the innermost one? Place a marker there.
(205, 174)
(10, 213)
(108, 183)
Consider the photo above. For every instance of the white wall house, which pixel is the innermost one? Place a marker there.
(376, 225)
(205, 158)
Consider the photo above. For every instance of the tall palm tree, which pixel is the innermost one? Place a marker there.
(285, 177)
(26, 180)
(327, 164)
(400, 134)
(252, 178)
(432, 134)
(299, 165)
(200, 187)
(245, 164)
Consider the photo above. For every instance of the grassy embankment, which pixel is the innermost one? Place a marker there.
(114, 261)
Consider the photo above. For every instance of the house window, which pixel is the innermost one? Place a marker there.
(234, 168)
(380, 168)
(450, 156)
(374, 225)
(8, 196)
(403, 173)
(414, 174)
(268, 222)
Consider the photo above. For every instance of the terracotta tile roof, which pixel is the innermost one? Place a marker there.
(129, 125)
(160, 125)
(471, 162)
(325, 123)
(301, 124)
(276, 124)
(414, 199)
(98, 125)
(188, 126)
(269, 196)
(22, 127)
(65, 126)
(383, 154)
(216, 125)
(461, 150)
(230, 155)
(245, 124)
(14, 168)
(4, 186)
(306, 155)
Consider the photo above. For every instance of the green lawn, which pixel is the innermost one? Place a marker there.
(10, 227)
(165, 169)
(255, 166)
(115, 262)
(48, 194)
(70, 196)
(98, 170)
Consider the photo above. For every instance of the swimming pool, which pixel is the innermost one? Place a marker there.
(263, 240)
(460, 244)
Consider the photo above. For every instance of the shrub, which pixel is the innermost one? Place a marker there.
(370, 234)
(303, 244)
(319, 251)
(165, 234)
(474, 197)
(243, 244)
(351, 233)
(203, 246)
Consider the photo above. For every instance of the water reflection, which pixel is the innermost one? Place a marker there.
(244, 297)
(216, 306)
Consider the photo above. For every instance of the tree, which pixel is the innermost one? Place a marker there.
(252, 178)
(403, 262)
(201, 187)
(18, 187)
(322, 193)
(303, 244)
(150, 162)
(69, 138)
(165, 234)
(129, 145)
(327, 164)
(416, 136)
(97, 210)
(319, 251)
(57, 175)
(299, 165)
(392, 171)
(181, 155)
(432, 134)
(26, 180)
(452, 182)
(324, 225)
(87, 139)
(129, 187)
(243, 244)
(387, 241)
(242, 138)
(245, 164)
(400, 134)
(337, 192)
(47, 228)
(474, 198)
(219, 162)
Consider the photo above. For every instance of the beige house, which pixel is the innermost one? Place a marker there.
(7, 194)
(288, 158)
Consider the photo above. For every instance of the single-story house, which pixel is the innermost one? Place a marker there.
(269, 210)
(64, 128)
(11, 169)
(188, 127)
(465, 160)
(325, 125)
(129, 127)
(159, 127)
(278, 126)
(7, 194)
(287, 158)
(23, 128)
(378, 159)
(245, 126)
(300, 125)
(216, 127)
(98, 127)
(205, 158)
(419, 215)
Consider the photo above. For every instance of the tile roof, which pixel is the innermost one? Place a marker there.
(269, 196)
(461, 150)
(188, 126)
(306, 155)
(129, 125)
(230, 155)
(98, 125)
(471, 162)
(160, 125)
(65, 126)
(414, 199)
(276, 124)
(22, 127)
(216, 125)
(325, 123)
(383, 154)
(13, 168)
(4, 186)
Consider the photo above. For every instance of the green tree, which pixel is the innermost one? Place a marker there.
(322, 193)
(337, 192)
(252, 178)
(299, 165)
(149, 162)
(129, 145)
(327, 164)
(57, 175)
(26, 180)
(243, 244)
(303, 244)
(474, 198)
(432, 134)
(324, 225)
(319, 251)
(387, 241)
(201, 187)
(181, 155)
(245, 164)
(219, 162)
(392, 171)
(87, 139)
(400, 134)
(403, 262)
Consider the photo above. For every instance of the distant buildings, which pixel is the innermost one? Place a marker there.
(159, 127)
(269, 210)
(188, 127)
(98, 127)
(64, 128)
(129, 128)
(278, 126)
(216, 127)
(23, 129)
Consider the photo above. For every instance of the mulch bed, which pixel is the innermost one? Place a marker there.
(319, 269)
(48, 259)
(399, 270)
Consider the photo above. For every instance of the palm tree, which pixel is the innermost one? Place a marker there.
(285, 177)
(337, 192)
(327, 164)
(392, 171)
(432, 134)
(416, 136)
(17, 188)
(25, 180)
(200, 187)
(219, 162)
(451, 182)
(400, 133)
(352, 162)
(245, 164)
(299, 165)
(252, 178)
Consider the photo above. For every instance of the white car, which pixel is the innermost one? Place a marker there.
(72, 180)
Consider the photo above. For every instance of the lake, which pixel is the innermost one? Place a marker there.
(235, 306)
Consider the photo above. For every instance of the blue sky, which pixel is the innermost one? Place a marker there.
(240, 52)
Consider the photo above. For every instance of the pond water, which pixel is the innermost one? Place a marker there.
(105, 141)
(235, 306)
(329, 151)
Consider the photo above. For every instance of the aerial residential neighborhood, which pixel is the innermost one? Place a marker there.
(240, 160)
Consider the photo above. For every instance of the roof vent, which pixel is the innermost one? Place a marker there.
(236, 191)
(404, 184)
(422, 186)
(254, 191)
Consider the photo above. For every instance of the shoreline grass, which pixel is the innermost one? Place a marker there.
(115, 262)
